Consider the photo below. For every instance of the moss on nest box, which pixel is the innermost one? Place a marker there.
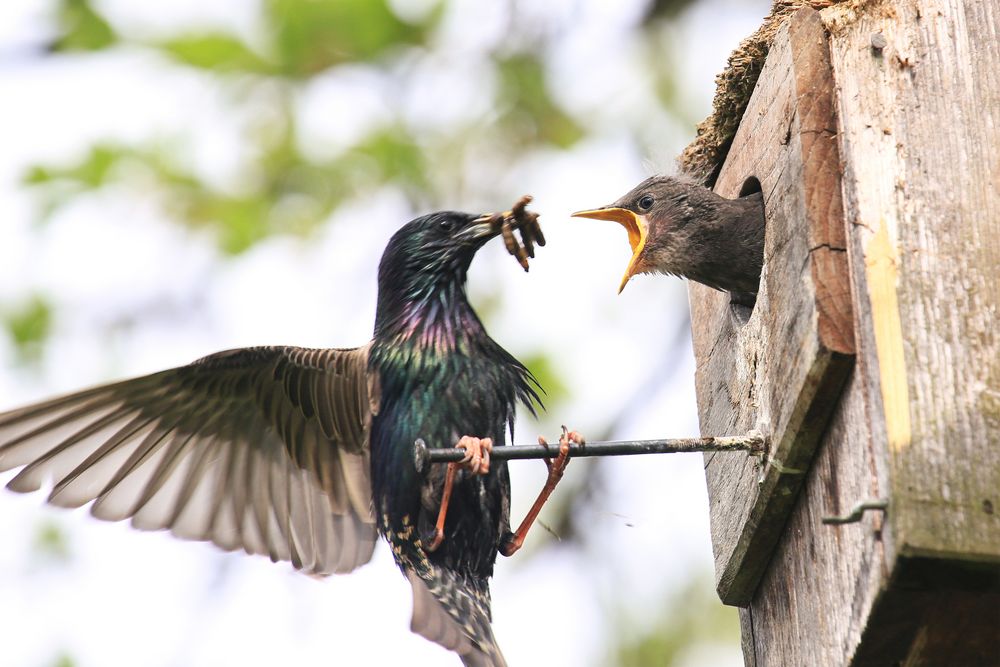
(703, 158)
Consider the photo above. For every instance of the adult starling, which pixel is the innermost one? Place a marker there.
(680, 228)
(303, 454)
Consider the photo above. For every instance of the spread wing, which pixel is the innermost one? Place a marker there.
(264, 449)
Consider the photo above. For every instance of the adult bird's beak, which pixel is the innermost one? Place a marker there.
(485, 227)
(634, 224)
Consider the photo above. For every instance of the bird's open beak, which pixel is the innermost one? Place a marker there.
(636, 227)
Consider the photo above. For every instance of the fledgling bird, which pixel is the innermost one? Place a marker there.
(684, 229)
(305, 454)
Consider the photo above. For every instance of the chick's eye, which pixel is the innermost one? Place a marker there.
(646, 202)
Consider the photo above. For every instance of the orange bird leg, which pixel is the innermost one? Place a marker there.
(476, 461)
(556, 469)
(449, 482)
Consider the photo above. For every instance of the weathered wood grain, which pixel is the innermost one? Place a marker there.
(919, 418)
(780, 371)
(815, 599)
(920, 136)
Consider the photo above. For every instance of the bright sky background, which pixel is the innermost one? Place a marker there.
(129, 598)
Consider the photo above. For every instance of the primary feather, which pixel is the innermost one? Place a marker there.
(242, 448)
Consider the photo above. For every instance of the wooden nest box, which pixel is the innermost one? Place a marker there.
(872, 356)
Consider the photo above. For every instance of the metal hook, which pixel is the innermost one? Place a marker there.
(857, 511)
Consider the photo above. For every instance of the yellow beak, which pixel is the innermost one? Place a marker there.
(636, 227)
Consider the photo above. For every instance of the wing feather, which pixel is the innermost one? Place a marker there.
(264, 449)
(119, 498)
(59, 460)
(161, 494)
(85, 481)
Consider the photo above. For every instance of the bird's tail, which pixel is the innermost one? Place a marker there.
(455, 613)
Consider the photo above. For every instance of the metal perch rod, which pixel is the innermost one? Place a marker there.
(753, 443)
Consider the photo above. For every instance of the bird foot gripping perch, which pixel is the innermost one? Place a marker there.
(477, 462)
(556, 469)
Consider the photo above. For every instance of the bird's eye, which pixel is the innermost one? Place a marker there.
(446, 224)
(646, 202)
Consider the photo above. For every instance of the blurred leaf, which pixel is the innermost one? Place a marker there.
(541, 367)
(530, 111)
(50, 543)
(240, 222)
(81, 28)
(291, 194)
(312, 35)
(665, 9)
(215, 51)
(692, 616)
(396, 154)
(29, 326)
(64, 660)
(665, 80)
(60, 185)
(89, 173)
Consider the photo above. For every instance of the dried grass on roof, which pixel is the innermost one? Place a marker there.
(703, 158)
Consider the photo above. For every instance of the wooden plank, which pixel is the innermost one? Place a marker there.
(815, 600)
(920, 131)
(781, 370)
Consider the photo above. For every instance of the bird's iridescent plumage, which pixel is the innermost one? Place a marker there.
(441, 376)
(304, 454)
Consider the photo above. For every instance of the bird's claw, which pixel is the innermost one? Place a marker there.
(477, 454)
(558, 466)
(438, 538)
